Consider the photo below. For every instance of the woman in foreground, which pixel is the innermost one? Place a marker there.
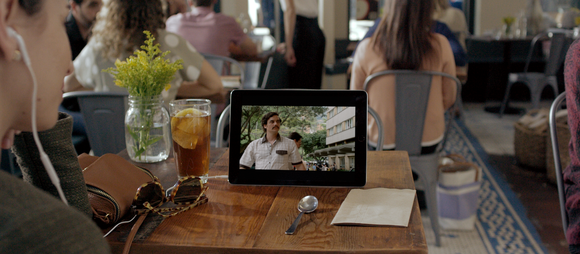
(33, 219)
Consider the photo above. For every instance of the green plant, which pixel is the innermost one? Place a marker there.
(145, 75)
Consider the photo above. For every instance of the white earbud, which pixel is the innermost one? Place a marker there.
(21, 45)
(43, 156)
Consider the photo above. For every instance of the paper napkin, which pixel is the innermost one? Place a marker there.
(379, 206)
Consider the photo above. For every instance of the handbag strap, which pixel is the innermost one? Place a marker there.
(133, 232)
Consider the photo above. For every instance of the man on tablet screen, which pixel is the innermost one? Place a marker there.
(272, 151)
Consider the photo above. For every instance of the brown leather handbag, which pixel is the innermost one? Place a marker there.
(112, 183)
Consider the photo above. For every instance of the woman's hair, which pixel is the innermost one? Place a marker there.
(120, 28)
(31, 7)
(404, 36)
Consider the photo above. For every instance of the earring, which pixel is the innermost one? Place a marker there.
(17, 55)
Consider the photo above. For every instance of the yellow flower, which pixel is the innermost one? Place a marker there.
(146, 73)
(508, 20)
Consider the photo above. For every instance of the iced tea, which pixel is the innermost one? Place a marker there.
(190, 130)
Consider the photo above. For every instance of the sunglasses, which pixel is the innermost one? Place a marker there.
(187, 193)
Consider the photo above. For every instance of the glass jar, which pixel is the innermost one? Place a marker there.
(147, 130)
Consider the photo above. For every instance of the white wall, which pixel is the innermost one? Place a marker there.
(234, 7)
(489, 13)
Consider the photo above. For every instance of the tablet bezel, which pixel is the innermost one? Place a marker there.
(283, 97)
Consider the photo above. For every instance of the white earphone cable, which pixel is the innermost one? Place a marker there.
(43, 156)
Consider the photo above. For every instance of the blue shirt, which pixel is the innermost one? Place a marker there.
(440, 28)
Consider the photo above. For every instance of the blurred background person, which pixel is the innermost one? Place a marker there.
(211, 32)
(452, 17)
(305, 43)
(79, 24)
(404, 41)
(297, 138)
(119, 32)
(82, 16)
(173, 7)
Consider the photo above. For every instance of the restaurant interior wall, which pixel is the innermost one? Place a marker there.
(489, 13)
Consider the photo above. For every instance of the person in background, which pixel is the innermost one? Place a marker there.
(305, 43)
(79, 22)
(173, 7)
(115, 38)
(211, 32)
(298, 141)
(271, 151)
(459, 54)
(452, 17)
(33, 219)
(571, 173)
(403, 41)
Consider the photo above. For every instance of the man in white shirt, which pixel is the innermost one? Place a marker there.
(272, 151)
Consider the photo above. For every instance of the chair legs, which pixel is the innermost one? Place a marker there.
(536, 87)
(426, 167)
(506, 97)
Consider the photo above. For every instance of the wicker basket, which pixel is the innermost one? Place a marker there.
(563, 132)
(530, 144)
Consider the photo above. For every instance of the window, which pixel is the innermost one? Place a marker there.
(351, 161)
(339, 128)
(348, 124)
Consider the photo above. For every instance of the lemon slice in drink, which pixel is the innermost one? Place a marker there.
(184, 126)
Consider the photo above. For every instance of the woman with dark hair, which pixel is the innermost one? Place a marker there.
(34, 59)
(119, 31)
(404, 40)
(305, 43)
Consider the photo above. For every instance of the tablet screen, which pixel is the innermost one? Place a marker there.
(298, 137)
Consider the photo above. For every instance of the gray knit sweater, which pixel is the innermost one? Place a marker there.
(34, 220)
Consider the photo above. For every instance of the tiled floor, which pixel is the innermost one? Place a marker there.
(538, 195)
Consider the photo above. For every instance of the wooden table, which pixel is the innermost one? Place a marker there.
(242, 219)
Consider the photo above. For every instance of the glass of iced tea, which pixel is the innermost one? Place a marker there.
(190, 131)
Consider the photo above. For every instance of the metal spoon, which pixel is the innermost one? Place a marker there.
(306, 205)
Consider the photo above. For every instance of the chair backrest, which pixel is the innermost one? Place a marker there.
(560, 40)
(222, 122)
(412, 90)
(267, 45)
(104, 115)
(377, 118)
(559, 45)
(219, 62)
(556, 105)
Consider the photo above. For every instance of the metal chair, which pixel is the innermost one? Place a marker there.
(104, 115)
(268, 46)
(557, 163)
(412, 94)
(222, 122)
(536, 81)
(219, 62)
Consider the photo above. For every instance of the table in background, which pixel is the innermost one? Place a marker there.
(490, 62)
(242, 219)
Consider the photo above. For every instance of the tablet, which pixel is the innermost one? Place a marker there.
(331, 124)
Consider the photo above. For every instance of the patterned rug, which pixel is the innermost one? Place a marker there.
(502, 225)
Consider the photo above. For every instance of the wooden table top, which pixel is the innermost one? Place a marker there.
(242, 219)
